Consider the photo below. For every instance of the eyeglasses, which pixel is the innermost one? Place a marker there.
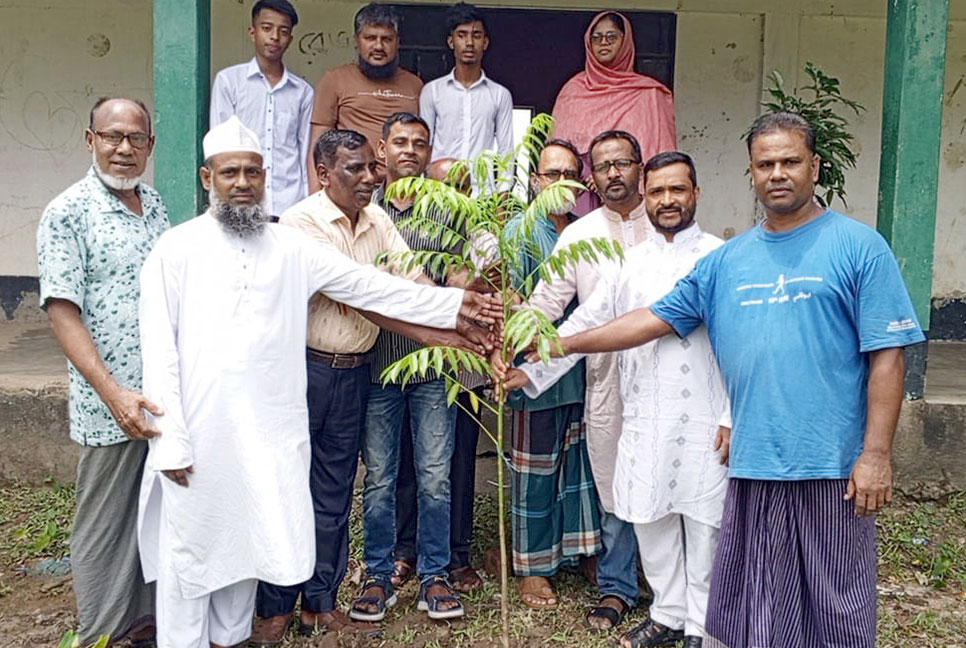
(610, 37)
(622, 165)
(556, 174)
(114, 138)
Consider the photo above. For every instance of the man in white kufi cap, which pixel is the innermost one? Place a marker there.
(225, 497)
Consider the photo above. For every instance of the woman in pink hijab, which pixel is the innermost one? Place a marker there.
(610, 95)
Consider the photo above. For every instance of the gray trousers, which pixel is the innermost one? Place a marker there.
(112, 597)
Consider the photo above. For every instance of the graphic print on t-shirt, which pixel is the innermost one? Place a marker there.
(780, 290)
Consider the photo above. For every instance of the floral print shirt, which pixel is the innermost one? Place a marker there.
(90, 249)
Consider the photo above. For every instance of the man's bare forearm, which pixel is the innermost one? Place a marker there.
(886, 378)
(75, 340)
(415, 332)
(629, 330)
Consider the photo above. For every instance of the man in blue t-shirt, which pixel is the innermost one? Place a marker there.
(807, 314)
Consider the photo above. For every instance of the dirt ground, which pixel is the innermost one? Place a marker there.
(922, 576)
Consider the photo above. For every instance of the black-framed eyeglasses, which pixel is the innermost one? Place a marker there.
(556, 174)
(622, 165)
(610, 37)
(138, 140)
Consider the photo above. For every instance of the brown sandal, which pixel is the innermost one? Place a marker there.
(465, 579)
(402, 572)
(539, 591)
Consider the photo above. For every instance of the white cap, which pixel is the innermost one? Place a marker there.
(231, 136)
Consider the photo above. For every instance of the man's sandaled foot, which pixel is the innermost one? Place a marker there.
(607, 614)
(334, 621)
(269, 631)
(536, 592)
(402, 572)
(438, 600)
(465, 579)
(651, 634)
(372, 602)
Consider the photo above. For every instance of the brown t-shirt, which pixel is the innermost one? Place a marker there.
(346, 98)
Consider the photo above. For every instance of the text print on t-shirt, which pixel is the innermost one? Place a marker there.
(781, 291)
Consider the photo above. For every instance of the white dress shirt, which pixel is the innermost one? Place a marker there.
(464, 121)
(671, 390)
(223, 322)
(281, 116)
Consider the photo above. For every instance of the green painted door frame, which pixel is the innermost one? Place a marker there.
(915, 61)
(182, 77)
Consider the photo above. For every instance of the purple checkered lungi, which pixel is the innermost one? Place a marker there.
(795, 568)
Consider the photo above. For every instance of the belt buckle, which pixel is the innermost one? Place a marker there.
(342, 361)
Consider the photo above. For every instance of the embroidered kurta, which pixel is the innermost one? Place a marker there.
(223, 329)
(671, 390)
(602, 402)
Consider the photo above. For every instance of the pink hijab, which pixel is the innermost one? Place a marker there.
(604, 98)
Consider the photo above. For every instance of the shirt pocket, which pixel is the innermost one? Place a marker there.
(287, 125)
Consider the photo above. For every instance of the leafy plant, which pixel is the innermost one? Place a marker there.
(832, 139)
(71, 640)
(482, 245)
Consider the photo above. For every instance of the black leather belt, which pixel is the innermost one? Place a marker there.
(339, 360)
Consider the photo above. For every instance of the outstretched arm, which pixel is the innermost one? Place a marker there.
(629, 330)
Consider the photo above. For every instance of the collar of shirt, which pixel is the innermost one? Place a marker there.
(451, 78)
(254, 70)
(637, 212)
(329, 212)
(685, 236)
(379, 198)
(108, 202)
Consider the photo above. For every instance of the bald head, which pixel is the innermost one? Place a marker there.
(439, 169)
(114, 105)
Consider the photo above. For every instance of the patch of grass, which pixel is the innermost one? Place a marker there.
(925, 542)
(35, 522)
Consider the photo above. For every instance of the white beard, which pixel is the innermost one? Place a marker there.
(117, 183)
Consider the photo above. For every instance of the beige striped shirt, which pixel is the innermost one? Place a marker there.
(333, 326)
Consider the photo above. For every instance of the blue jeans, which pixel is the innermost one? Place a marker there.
(432, 424)
(617, 560)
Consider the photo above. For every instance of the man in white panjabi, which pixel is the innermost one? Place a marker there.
(225, 495)
(616, 165)
(669, 478)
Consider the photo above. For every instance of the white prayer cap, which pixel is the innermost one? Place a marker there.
(231, 136)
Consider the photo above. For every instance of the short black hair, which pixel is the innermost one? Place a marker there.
(327, 146)
(281, 6)
(376, 13)
(616, 134)
(777, 121)
(462, 13)
(616, 18)
(403, 117)
(103, 100)
(667, 158)
(567, 144)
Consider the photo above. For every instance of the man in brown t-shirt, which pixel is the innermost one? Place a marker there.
(360, 96)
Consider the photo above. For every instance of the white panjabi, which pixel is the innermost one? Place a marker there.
(231, 136)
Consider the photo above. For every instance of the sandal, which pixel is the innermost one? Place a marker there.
(431, 604)
(539, 591)
(651, 634)
(611, 614)
(360, 611)
(402, 572)
(465, 579)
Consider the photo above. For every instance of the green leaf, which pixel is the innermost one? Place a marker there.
(474, 401)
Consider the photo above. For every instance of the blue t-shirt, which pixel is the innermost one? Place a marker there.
(791, 316)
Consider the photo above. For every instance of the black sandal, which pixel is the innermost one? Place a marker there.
(359, 613)
(651, 634)
(601, 611)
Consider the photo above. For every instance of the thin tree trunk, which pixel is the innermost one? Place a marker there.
(501, 500)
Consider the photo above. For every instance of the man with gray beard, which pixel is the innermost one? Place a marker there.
(225, 499)
(91, 242)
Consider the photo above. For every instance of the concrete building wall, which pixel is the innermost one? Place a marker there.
(58, 56)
